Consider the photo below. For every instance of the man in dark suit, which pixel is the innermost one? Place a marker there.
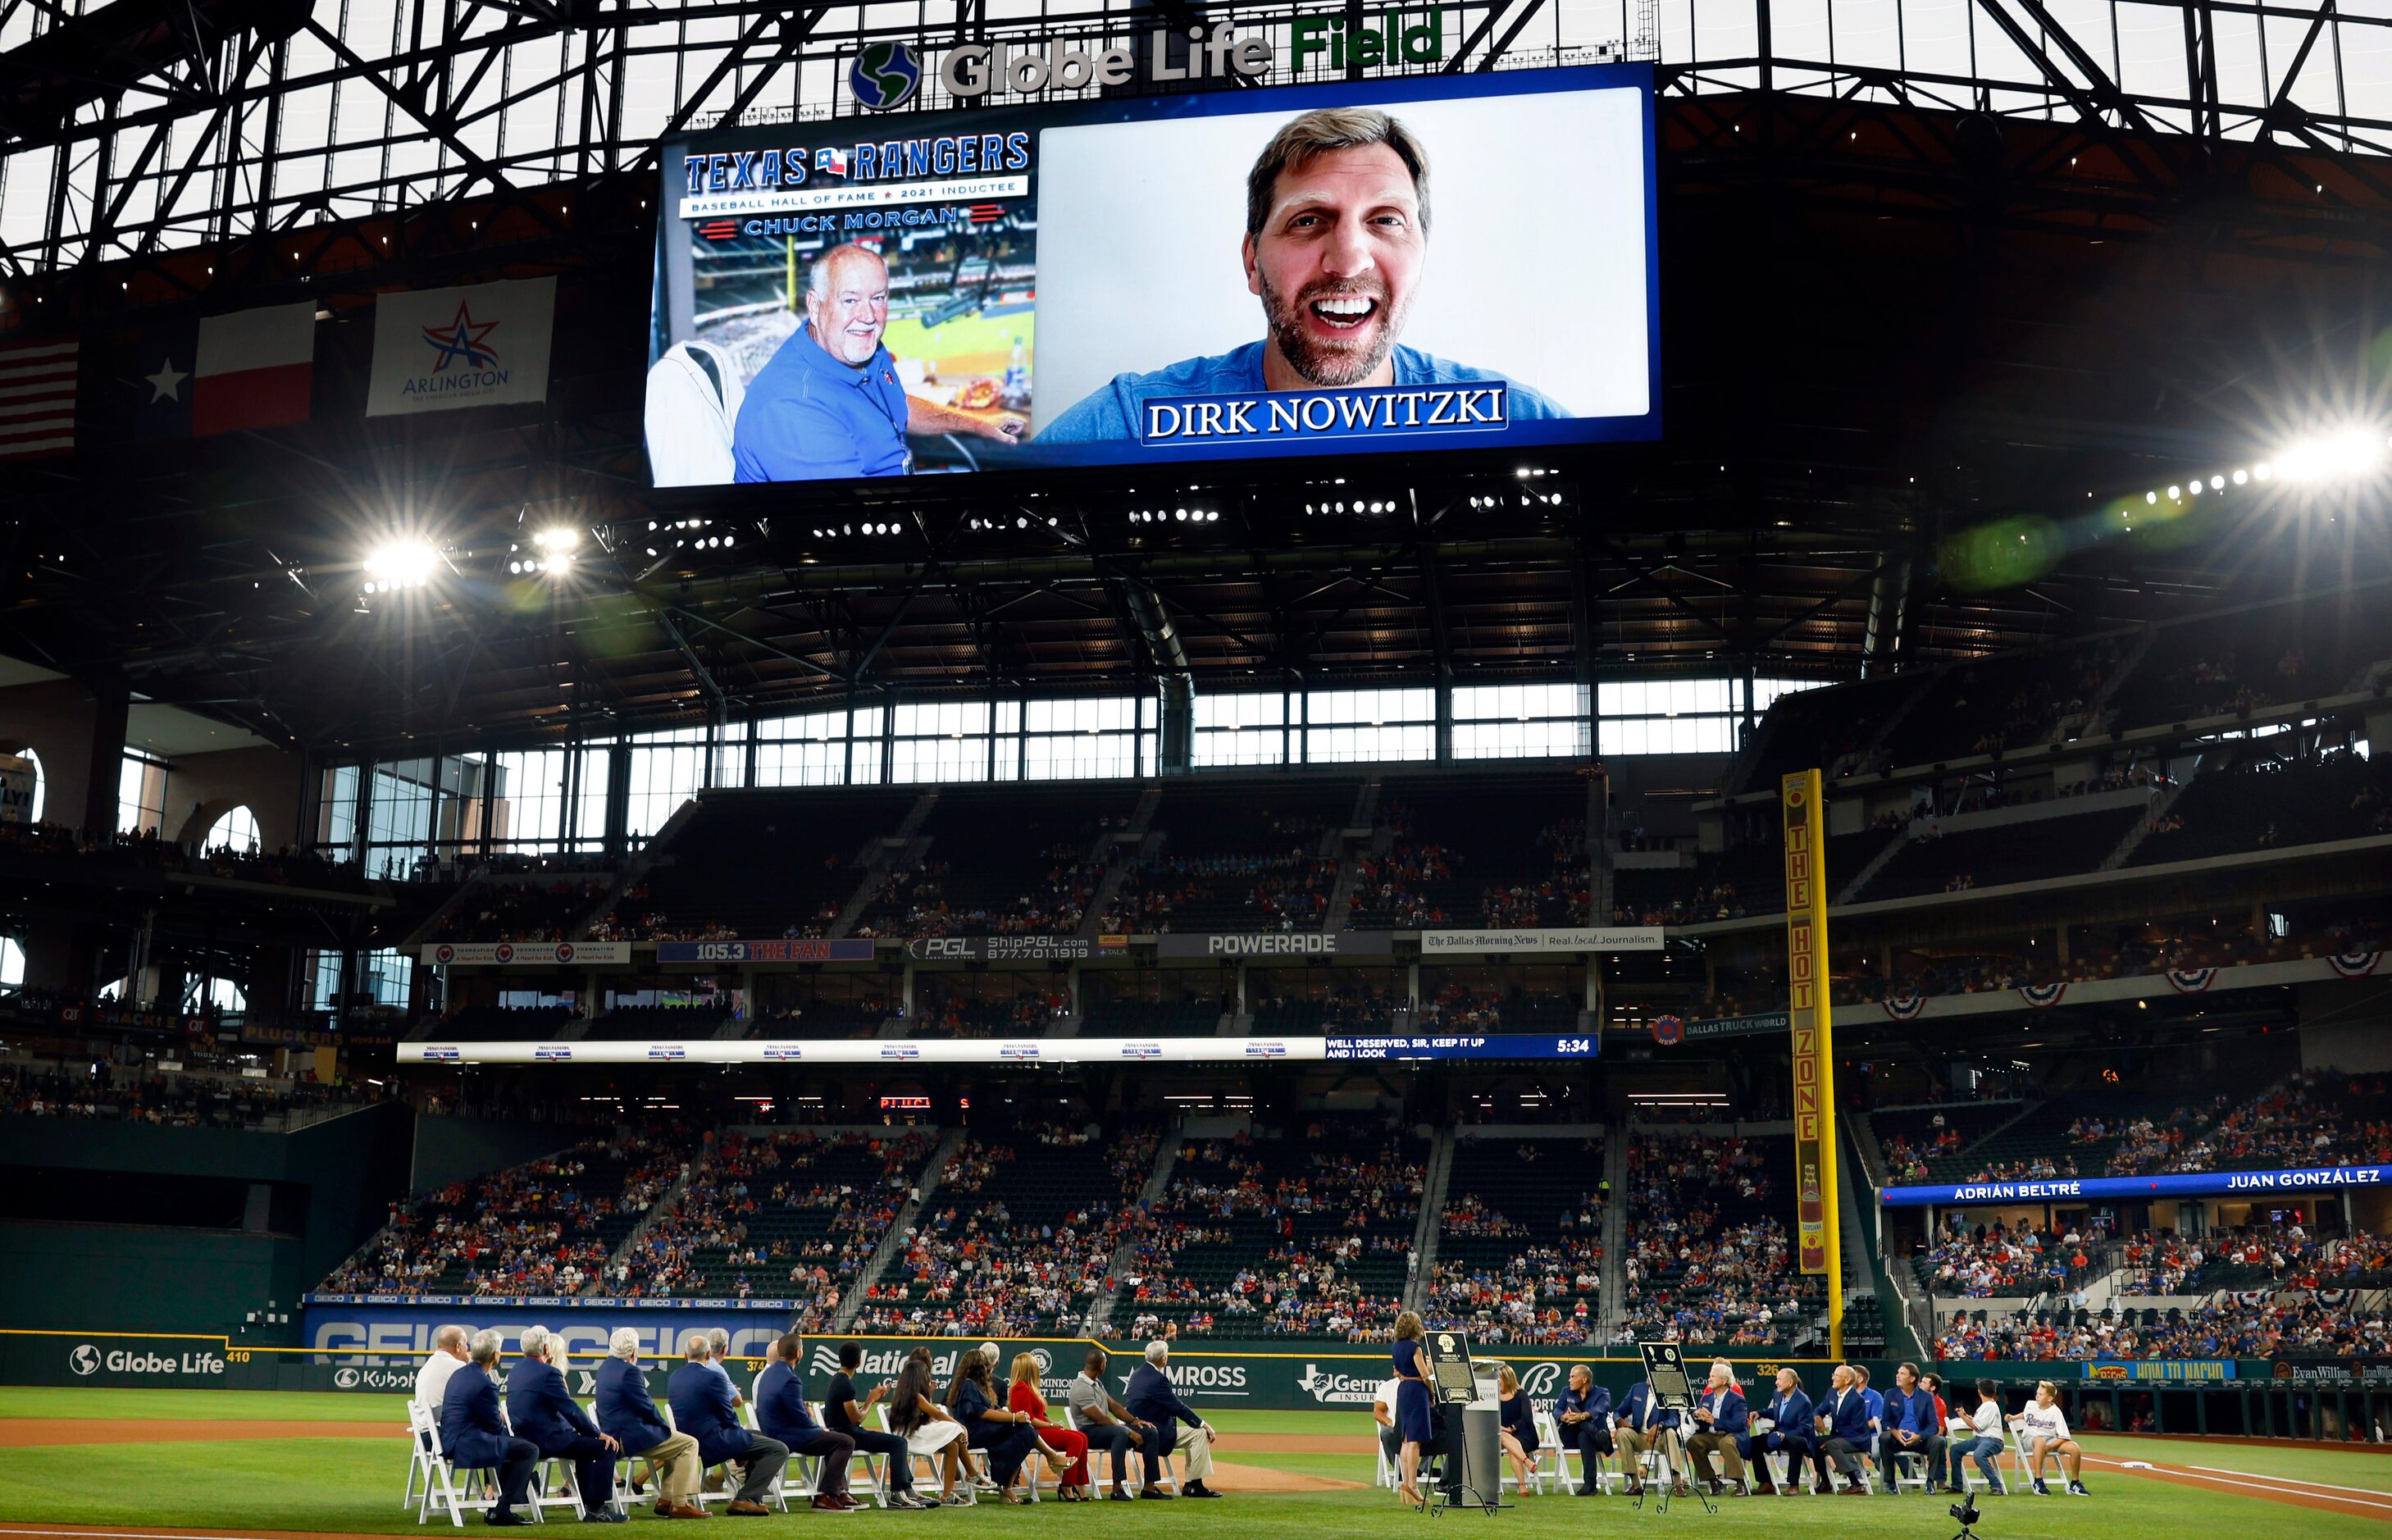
(474, 1437)
(1912, 1428)
(1152, 1400)
(702, 1407)
(543, 1411)
(1641, 1425)
(782, 1413)
(1720, 1418)
(1583, 1414)
(628, 1415)
(1841, 1417)
(1789, 1415)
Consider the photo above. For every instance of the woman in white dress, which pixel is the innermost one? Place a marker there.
(929, 1432)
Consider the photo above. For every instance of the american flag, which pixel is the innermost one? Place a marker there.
(37, 399)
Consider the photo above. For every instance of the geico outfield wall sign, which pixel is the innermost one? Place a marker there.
(1568, 939)
(525, 954)
(2273, 1184)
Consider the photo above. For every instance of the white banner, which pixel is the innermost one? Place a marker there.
(482, 346)
(15, 789)
(1474, 942)
(878, 1050)
(527, 954)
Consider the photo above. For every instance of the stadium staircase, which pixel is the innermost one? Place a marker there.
(2097, 710)
(1615, 1226)
(1120, 850)
(1856, 1228)
(905, 845)
(1360, 833)
(636, 869)
(667, 1202)
(1877, 863)
(1158, 1182)
(2125, 852)
(892, 1243)
(1436, 1177)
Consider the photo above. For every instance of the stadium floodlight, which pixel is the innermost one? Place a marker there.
(2342, 456)
(560, 538)
(399, 563)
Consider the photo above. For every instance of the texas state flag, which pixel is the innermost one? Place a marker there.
(252, 369)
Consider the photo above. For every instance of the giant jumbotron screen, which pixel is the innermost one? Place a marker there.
(1400, 265)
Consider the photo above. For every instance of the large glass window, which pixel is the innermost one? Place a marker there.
(523, 797)
(942, 740)
(1669, 716)
(141, 793)
(806, 749)
(398, 816)
(1075, 739)
(12, 965)
(336, 811)
(594, 767)
(665, 770)
(1370, 725)
(1241, 730)
(236, 831)
(383, 978)
(1520, 722)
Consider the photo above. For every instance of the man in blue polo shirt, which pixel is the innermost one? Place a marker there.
(829, 405)
(1336, 235)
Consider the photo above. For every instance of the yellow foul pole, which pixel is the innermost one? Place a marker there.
(1814, 1042)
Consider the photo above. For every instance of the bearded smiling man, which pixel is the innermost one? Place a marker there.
(1337, 219)
(829, 405)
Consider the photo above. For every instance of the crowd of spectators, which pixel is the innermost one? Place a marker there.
(549, 910)
(536, 1229)
(2311, 1120)
(120, 1093)
(286, 866)
(791, 1215)
(914, 903)
(1706, 1262)
(1560, 896)
(2262, 1326)
(1542, 1291)
(2007, 1261)
(635, 917)
(1319, 1211)
(971, 1267)
(1398, 890)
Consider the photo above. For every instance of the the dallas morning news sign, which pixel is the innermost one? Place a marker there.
(2257, 1184)
(1027, 281)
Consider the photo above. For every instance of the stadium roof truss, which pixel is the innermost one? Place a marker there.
(136, 126)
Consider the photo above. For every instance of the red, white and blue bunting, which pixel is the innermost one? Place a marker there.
(2043, 997)
(2191, 981)
(1903, 1007)
(2354, 965)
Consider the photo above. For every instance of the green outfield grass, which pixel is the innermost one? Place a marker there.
(352, 1486)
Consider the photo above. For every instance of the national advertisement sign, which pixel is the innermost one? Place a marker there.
(780, 949)
(2178, 1184)
(1002, 948)
(1277, 943)
(1571, 939)
(525, 954)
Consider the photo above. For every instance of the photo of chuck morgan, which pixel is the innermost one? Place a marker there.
(1336, 242)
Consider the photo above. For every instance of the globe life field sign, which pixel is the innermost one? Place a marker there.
(1035, 278)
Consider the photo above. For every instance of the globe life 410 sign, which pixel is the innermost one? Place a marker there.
(885, 75)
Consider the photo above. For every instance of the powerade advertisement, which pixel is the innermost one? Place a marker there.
(1430, 263)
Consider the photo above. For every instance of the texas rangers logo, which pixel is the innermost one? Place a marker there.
(462, 340)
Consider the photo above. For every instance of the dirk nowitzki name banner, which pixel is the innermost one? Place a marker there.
(485, 345)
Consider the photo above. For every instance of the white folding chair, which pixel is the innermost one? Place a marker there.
(1909, 1469)
(1388, 1475)
(1546, 1463)
(864, 1472)
(801, 1478)
(440, 1486)
(2023, 1461)
(419, 1453)
(542, 1498)
(969, 1494)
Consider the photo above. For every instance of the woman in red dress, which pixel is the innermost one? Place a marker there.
(1052, 1436)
